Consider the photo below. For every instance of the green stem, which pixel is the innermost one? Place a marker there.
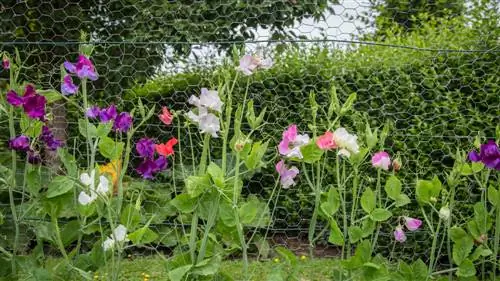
(496, 243)
(58, 238)
(346, 252)
(448, 226)
(433, 247)
(239, 226)
(210, 223)
(379, 197)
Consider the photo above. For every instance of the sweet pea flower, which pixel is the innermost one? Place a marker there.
(5, 62)
(166, 149)
(326, 141)
(399, 234)
(292, 142)
(166, 117)
(396, 164)
(122, 122)
(412, 224)
(67, 86)
(93, 112)
(20, 143)
(207, 122)
(119, 235)
(85, 198)
(286, 175)
(207, 99)
(14, 99)
(83, 68)
(381, 160)
(148, 167)
(489, 155)
(145, 147)
(34, 157)
(108, 114)
(32, 103)
(249, 64)
(48, 138)
(347, 143)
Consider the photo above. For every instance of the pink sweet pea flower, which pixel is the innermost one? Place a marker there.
(166, 117)
(326, 141)
(83, 68)
(5, 62)
(399, 234)
(412, 224)
(291, 142)
(381, 160)
(286, 175)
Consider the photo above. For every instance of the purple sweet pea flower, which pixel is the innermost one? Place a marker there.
(14, 99)
(412, 224)
(83, 68)
(34, 157)
(67, 87)
(48, 138)
(122, 122)
(108, 114)
(399, 234)
(34, 106)
(161, 164)
(489, 155)
(145, 147)
(147, 168)
(93, 112)
(20, 143)
(286, 175)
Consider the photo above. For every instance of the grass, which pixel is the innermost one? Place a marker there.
(154, 269)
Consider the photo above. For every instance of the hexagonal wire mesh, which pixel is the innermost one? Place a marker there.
(438, 94)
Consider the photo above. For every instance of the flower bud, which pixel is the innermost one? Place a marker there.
(444, 213)
(396, 164)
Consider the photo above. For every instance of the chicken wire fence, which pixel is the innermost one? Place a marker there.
(438, 98)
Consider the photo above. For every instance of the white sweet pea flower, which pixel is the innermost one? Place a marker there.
(207, 122)
(249, 64)
(210, 99)
(103, 186)
(85, 198)
(347, 143)
(88, 180)
(119, 235)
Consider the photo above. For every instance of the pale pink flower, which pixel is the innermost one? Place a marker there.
(286, 175)
(412, 224)
(166, 117)
(381, 160)
(326, 141)
(399, 234)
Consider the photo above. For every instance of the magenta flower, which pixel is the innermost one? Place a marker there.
(292, 142)
(161, 164)
(67, 87)
(145, 147)
(83, 68)
(48, 138)
(32, 103)
(20, 143)
(489, 155)
(122, 122)
(399, 234)
(93, 112)
(286, 175)
(6, 62)
(108, 114)
(412, 224)
(381, 160)
(148, 167)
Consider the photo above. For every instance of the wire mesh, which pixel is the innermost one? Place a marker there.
(439, 94)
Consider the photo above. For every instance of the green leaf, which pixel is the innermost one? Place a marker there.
(336, 237)
(380, 214)
(466, 269)
(457, 233)
(50, 95)
(253, 161)
(493, 196)
(142, 111)
(59, 186)
(226, 213)
(196, 185)
(70, 232)
(68, 161)
(143, 235)
(477, 167)
(355, 233)
(87, 129)
(331, 204)
(178, 273)
(420, 270)
(184, 203)
(482, 218)
(30, 127)
(462, 249)
(130, 216)
(216, 174)
(208, 266)
(311, 153)
(368, 226)
(427, 190)
(254, 213)
(480, 251)
(103, 129)
(393, 187)
(368, 200)
(348, 104)
(33, 182)
(110, 149)
(466, 170)
(402, 200)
